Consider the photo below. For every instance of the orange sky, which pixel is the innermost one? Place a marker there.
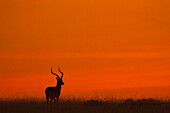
(100, 45)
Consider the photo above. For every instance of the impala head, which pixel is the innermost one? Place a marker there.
(59, 80)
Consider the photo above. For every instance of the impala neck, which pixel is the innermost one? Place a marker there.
(59, 87)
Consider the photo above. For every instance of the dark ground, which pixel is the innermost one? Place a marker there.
(91, 106)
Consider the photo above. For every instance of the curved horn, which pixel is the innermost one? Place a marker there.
(61, 72)
(54, 73)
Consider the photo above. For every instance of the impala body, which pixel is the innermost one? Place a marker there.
(54, 92)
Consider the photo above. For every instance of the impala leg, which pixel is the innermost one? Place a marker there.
(57, 98)
(51, 99)
(47, 99)
(54, 99)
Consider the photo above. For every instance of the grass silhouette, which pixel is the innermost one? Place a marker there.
(88, 106)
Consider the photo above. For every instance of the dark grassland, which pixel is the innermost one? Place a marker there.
(90, 106)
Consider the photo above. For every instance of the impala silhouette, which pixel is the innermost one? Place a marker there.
(54, 92)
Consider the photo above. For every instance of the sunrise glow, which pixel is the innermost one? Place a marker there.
(119, 48)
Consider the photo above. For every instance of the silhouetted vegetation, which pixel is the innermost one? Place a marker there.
(89, 106)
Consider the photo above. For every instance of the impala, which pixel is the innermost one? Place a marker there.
(54, 92)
